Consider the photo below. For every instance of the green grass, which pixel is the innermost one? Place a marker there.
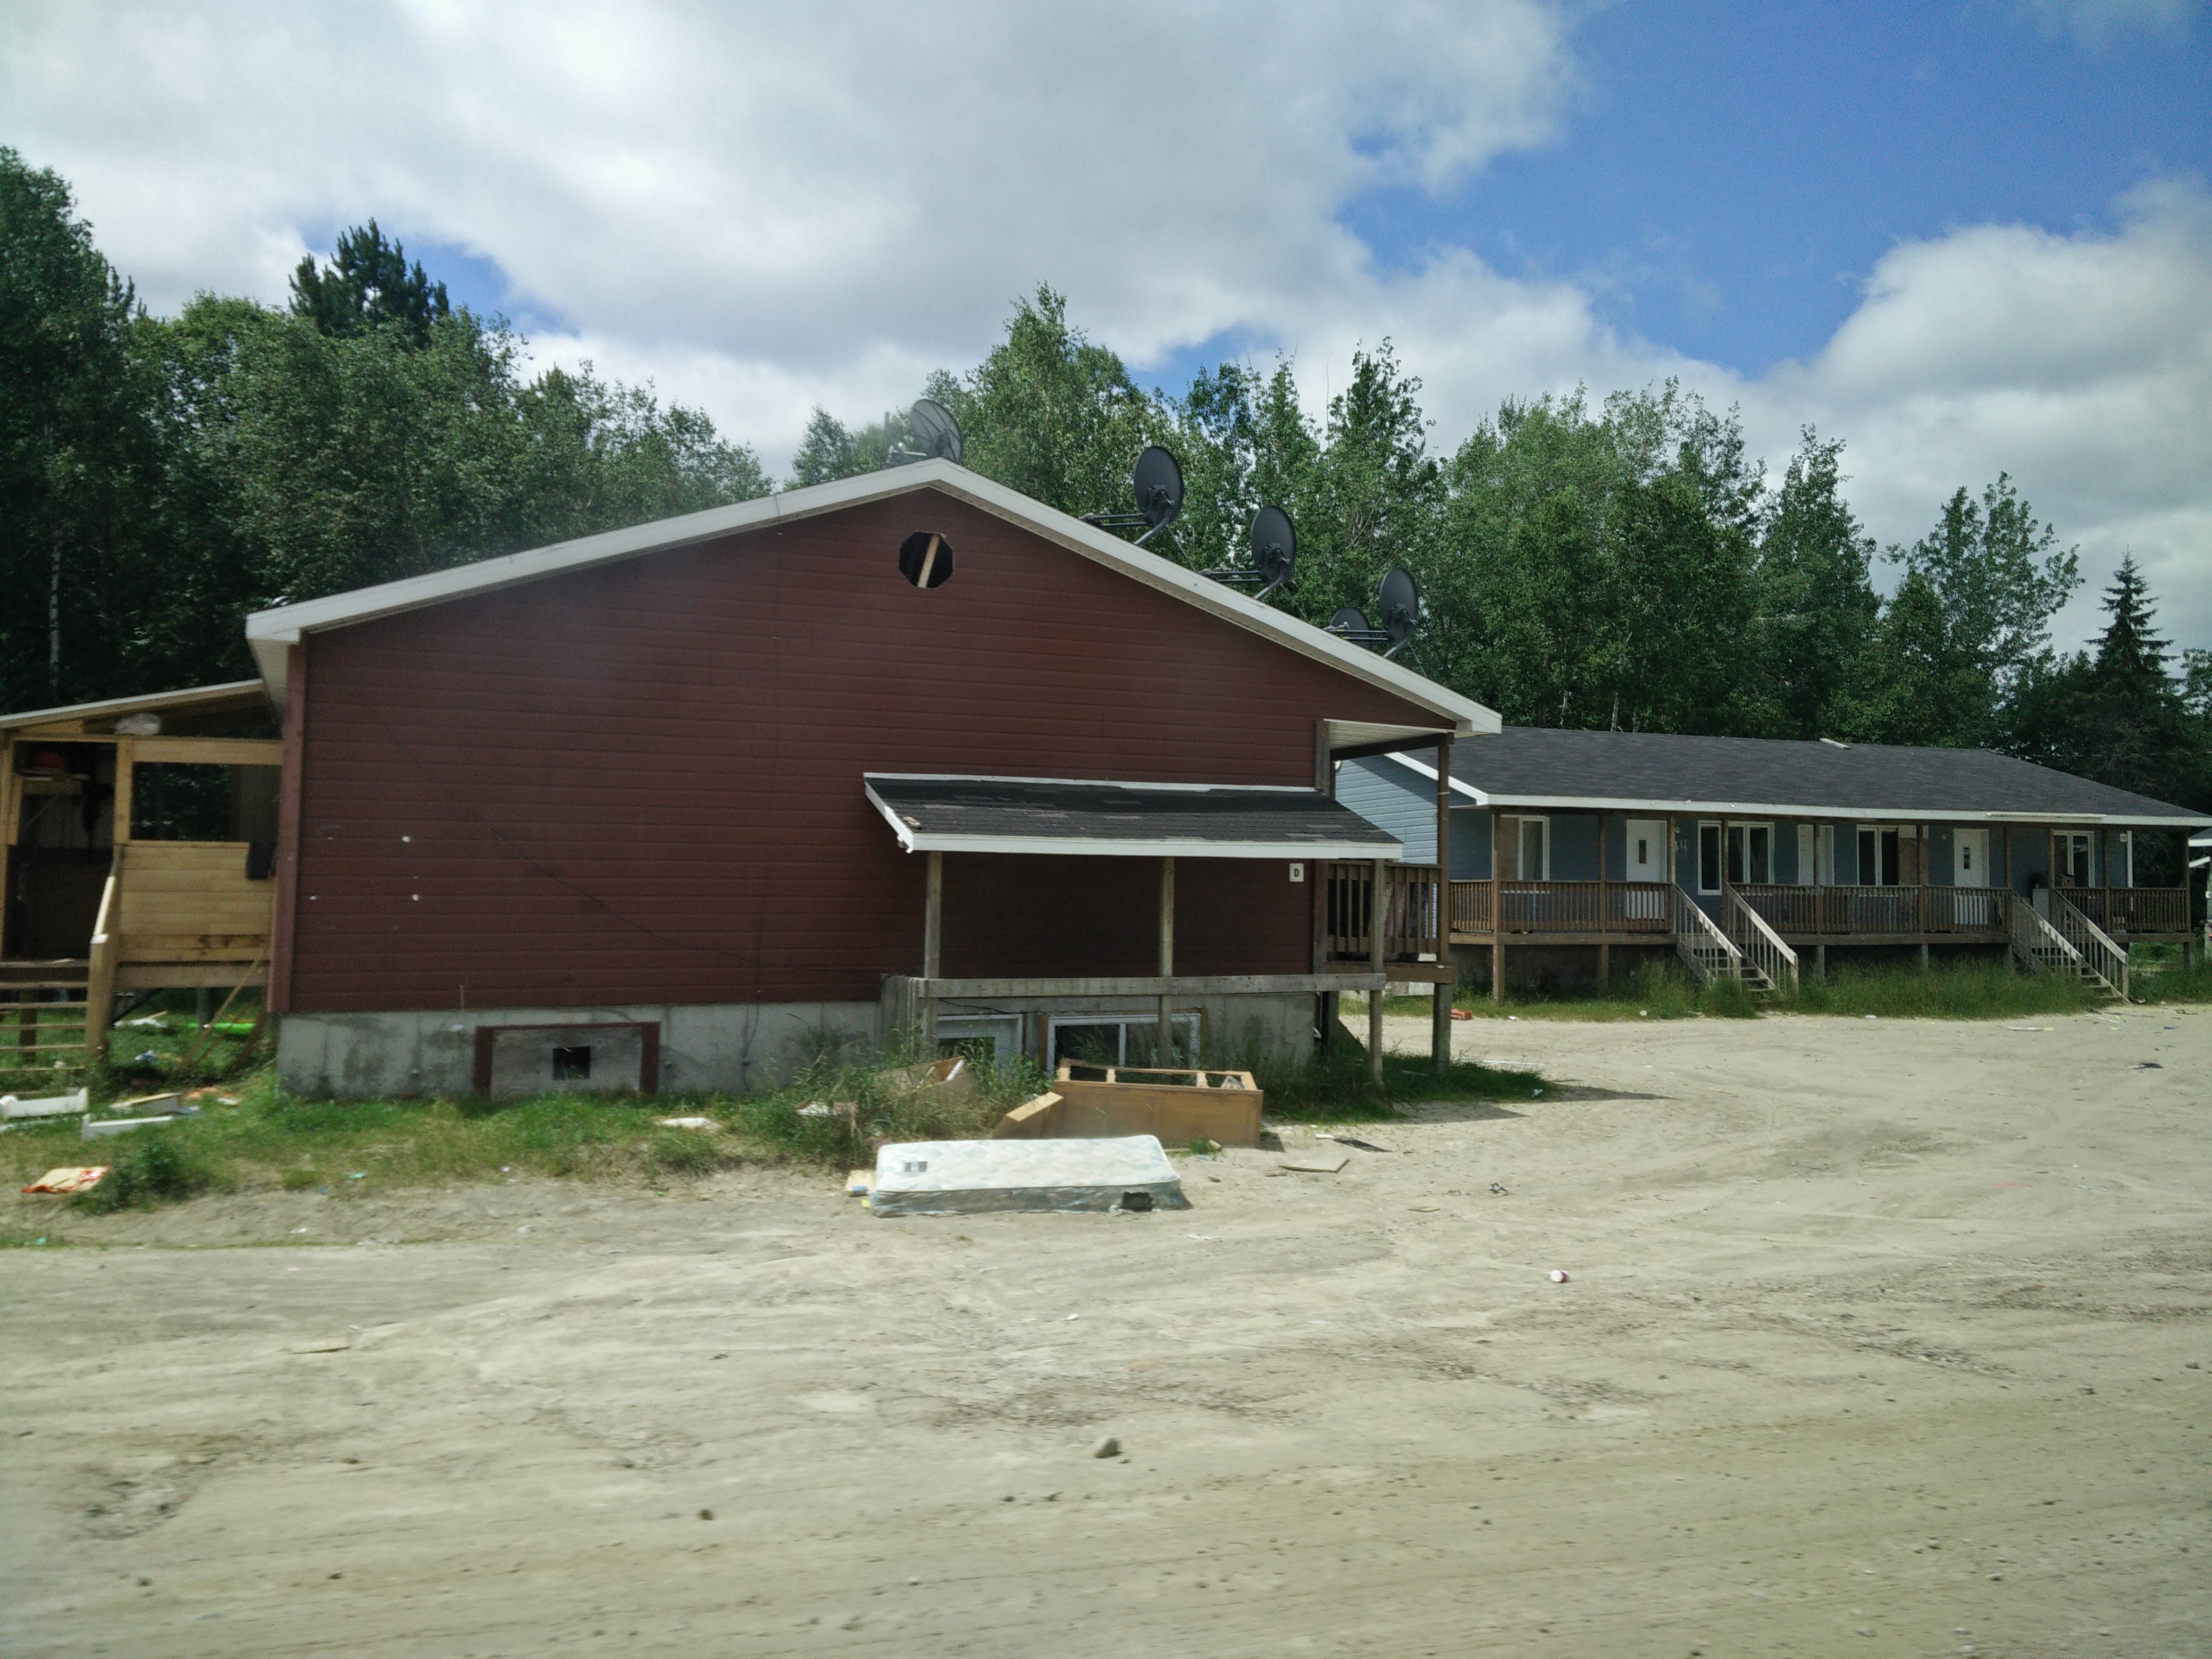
(1979, 989)
(343, 1148)
(143, 1058)
(2159, 975)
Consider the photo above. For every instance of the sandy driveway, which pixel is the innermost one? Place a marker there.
(1880, 1338)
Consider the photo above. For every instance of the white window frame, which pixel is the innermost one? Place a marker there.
(1516, 821)
(2066, 838)
(1187, 1024)
(1745, 826)
(1720, 855)
(1904, 832)
(1005, 1031)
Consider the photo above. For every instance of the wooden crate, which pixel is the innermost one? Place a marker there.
(1178, 1105)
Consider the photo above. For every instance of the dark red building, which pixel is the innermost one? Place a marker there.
(707, 786)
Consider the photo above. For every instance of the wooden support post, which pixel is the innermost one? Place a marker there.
(933, 950)
(1821, 961)
(1924, 955)
(1378, 907)
(1440, 1042)
(1604, 912)
(1163, 1044)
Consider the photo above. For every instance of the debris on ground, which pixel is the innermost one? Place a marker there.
(962, 1177)
(1558, 1275)
(1316, 1162)
(707, 1123)
(1110, 1447)
(46, 1105)
(98, 1128)
(856, 1184)
(82, 1179)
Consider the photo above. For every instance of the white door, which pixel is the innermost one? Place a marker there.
(1647, 861)
(1647, 849)
(1970, 858)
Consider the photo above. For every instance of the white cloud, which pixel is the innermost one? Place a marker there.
(760, 208)
(2095, 23)
(2082, 365)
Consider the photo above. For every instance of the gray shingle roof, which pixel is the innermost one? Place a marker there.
(1051, 815)
(1531, 766)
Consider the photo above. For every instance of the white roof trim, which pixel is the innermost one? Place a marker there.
(1086, 783)
(269, 632)
(1460, 786)
(81, 711)
(1803, 809)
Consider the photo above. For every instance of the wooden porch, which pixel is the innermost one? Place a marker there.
(104, 894)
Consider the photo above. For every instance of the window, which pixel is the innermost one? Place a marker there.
(1535, 848)
(572, 1064)
(1750, 854)
(926, 559)
(1709, 857)
(1808, 856)
(2069, 863)
(1114, 1040)
(1879, 862)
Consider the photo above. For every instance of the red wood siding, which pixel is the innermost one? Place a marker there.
(641, 782)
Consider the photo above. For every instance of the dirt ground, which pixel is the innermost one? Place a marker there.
(1878, 1339)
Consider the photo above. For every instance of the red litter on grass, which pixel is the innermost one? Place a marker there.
(1558, 1275)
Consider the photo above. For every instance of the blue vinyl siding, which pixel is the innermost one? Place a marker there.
(1395, 798)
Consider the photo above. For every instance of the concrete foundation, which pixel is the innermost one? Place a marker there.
(718, 1046)
(733, 1047)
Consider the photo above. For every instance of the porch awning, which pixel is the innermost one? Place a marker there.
(933, 814)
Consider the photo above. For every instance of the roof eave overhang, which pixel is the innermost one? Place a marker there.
(271, 632)
(194, 698)
(1803, 810)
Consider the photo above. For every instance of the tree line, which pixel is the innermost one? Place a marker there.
(1619, 564)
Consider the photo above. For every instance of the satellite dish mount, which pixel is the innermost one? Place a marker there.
(1398, 605)
(1274, 554)
(936, 434)
(1156, 481)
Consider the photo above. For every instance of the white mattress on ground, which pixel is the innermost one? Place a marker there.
(962, 1178)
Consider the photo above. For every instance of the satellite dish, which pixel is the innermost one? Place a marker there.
(935, 430)
(1158, 483)
(1349, 622)
(1399, 601)
(1274, 548)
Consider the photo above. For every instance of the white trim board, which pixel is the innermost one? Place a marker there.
(269, 632)
(1788, 810)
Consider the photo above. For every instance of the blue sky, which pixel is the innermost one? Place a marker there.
(1965, 236)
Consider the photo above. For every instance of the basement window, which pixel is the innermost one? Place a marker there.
(926, 559)
(572, 1064)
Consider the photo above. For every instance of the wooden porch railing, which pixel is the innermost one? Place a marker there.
(1411, 908)
(1710, 953)
(1762, 947)
(2098, 951)
(2133, 910)
(1841, 912)
(1559, 907)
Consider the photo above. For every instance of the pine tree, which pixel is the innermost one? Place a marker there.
(368, 285)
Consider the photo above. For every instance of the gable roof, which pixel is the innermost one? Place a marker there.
(269, 632)
(1631, 771)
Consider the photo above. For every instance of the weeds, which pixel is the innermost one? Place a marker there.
(1337, 1087)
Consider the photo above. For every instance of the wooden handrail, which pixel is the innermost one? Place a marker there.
(1760, 942)
(2103, 957)
(1710, 953)
(100, 969)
